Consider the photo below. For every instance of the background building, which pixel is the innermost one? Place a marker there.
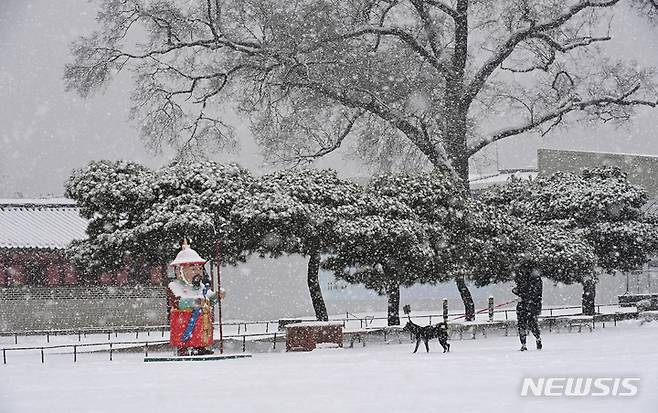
(40, 289)
(642, 170)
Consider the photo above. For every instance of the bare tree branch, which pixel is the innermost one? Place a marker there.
(430, 27)
(399, 33)
(572, 44)
(413, 66)
(571, 106)
(504, 50)
(300, 158)
(375, 107)
(444, 7)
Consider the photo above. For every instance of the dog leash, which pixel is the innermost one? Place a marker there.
(486, 309)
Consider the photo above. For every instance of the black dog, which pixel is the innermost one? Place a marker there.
(427, 333)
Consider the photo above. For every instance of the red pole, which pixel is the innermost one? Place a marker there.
(218, 256)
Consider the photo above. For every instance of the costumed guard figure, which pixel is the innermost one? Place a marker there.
(190, 301)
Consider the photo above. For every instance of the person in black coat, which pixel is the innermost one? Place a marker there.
(529, 290)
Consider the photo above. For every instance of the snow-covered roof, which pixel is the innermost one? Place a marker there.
(40, 223)
(57, 202)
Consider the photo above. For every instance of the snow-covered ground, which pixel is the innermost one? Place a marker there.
(483, 375)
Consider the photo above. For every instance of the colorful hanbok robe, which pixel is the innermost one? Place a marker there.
(190, 314)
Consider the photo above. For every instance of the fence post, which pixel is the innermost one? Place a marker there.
(48, 337)
(4, 356)
(491, 307)
(75, 353)
(445, 310)
(110, 351)
(146, 349)
(108, 335)
(15, 338)
(430, 323)
(274, 344)
(244, 343)
(42, 361)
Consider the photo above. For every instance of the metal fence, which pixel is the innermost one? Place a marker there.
(239, 339)
(114, 346)
(244, 327)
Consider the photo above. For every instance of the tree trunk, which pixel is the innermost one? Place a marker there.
(393, 293)
(469, 306)
(460, 163)
(589, 294)
(455, 129)
(314, 287)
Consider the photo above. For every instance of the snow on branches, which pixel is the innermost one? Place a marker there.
(292, 211)
(393, 235)
(399, 230)
(138, 215)
(590, 221)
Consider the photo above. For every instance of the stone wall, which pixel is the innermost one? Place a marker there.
(35, 308)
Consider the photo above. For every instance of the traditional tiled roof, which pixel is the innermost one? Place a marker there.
(40, 223)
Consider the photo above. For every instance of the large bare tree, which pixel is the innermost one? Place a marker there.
(436, 80)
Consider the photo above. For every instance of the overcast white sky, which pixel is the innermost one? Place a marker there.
(45, 132)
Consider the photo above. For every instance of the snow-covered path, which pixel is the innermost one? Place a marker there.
(483, 375)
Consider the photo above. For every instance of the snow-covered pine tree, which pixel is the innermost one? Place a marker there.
(294, 212)
(494, 245)
(113, 197)
(194, 200)
(395, 235)
(599, 206)
(137, 216)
